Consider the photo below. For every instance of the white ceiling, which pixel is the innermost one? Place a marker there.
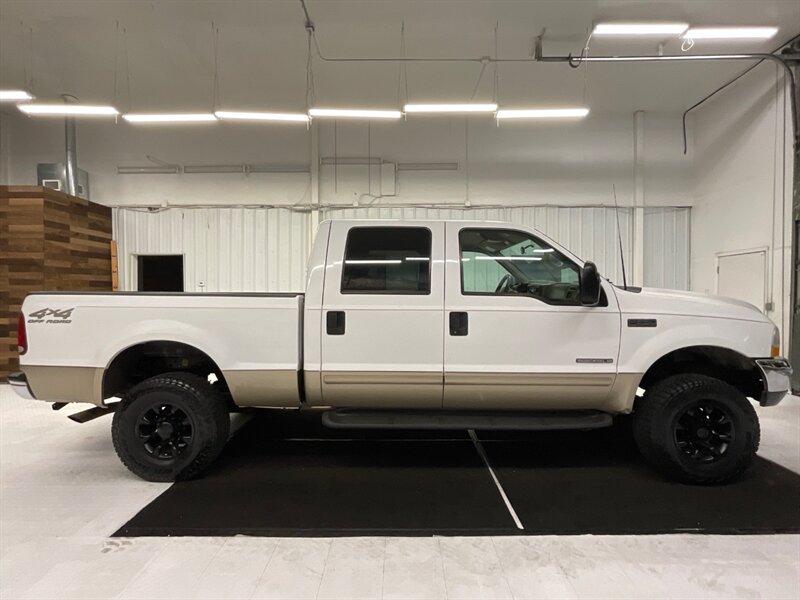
(262, 51)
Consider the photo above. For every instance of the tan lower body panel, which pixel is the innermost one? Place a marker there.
(264, 388)
(541, 391)
(312, 381)
(523, 391)
(477, 391)
(84, 384)
(623, 393)
(65, 384)
(378, 389)
(512, 391)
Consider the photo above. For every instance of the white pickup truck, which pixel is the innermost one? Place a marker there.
(419, 324)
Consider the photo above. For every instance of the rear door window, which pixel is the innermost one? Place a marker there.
(387, 260)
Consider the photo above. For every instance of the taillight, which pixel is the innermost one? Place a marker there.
(22, 335)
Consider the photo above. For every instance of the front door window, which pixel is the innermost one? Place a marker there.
(500, 262)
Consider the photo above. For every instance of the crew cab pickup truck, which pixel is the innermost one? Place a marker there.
(418, 324)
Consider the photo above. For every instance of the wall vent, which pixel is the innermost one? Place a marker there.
(54, 176)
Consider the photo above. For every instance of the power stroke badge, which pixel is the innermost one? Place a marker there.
(51, 315)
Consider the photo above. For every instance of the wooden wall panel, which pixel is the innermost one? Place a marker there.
(49, 241)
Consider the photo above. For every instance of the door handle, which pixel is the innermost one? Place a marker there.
(334, 321)
(459, 323)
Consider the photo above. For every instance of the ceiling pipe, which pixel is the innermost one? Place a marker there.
(782, 60)
(787, 45)
(71, 144)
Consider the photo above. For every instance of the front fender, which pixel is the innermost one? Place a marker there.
(641, 347)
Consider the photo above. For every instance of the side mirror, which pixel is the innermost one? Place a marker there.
(589, 284)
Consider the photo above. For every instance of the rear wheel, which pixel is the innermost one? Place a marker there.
(696, 429)
(170, 427)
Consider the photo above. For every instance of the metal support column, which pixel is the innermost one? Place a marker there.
(638, 198)
(792, 340)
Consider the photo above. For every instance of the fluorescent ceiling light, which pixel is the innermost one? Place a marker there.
(640, 28)
(347, 113)
(148, 170)
(188, 169)
(730, 33)
(262, 116)
(14, 95)
(450, 108)
(80, 110)
(542, 113)
(169, 118)
(433, 166)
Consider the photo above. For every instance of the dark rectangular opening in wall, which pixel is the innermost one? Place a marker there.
(160, 273)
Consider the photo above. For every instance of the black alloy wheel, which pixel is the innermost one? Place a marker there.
(165, 431)
(704, 431)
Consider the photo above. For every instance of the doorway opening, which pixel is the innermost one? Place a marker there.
(160, 273)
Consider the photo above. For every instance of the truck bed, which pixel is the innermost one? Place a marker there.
(254, 339)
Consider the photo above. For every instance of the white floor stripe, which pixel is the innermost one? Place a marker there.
(366, 439)
(500, 489)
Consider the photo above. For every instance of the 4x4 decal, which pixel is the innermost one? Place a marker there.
(51, 315)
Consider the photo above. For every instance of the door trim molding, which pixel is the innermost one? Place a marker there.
(531, 379)
(381, 378)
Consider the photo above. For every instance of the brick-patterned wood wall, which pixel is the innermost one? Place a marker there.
(49, 241)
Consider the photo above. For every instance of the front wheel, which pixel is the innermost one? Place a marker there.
(696, 429)
(170, 427)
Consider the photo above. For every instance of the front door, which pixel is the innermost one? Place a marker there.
(383, 315)
(517, 336)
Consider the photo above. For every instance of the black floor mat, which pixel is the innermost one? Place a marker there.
(286, 475)
(267, 482)
(596, 483)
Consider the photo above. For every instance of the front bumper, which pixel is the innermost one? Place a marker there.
(19, 383)
(777, 376)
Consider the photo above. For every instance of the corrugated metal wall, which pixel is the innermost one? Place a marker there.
(667, 240)
(265, 249)
(591, 233)
(227, 249)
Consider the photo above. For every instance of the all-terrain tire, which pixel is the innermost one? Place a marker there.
(189, 424)
(670, 431)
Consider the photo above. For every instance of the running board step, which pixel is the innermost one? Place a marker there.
(93, 413)
(433, 419)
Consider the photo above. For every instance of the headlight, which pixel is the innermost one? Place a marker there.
(776, 342)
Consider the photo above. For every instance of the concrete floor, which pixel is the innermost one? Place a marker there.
(63, 492)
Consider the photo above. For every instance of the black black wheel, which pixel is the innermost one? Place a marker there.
(696, 429)
(170, 427)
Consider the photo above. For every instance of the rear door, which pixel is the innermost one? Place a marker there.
(383, 316)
